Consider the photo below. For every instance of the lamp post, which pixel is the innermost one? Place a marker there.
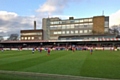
(54, 43)
(58, 44)
(41, 44)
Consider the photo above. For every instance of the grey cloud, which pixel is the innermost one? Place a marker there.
(14, 25)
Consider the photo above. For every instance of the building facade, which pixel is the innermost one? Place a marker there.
(31, 34)
(53, 28)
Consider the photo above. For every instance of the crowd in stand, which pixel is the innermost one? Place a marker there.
(61, 47)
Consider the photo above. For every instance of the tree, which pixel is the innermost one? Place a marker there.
(13, 37)
(1, 38)
(116, 29)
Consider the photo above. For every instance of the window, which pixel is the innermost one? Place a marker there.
(25, 38)
(106, 30)
(81, 31)
(85, 24)
(22, 37)
(85, 31)
(28, 38)
(59, 27)
(56, 22)
(72, 32)
(77, 21)
(52, 37)
(90, 25)
(51, 22)
(90, 20)
(77, 26)
(39, 37)
(106, 24)
(71, 21)
(86, 20)
(60, 22)
(68, 21)
(63, 27)
(76, 31)
(68, 26)
(32, 37)
(72, 26)
(51, 27)
(81, 20)
(90, 31)
(81, 25)
(39, 33)
(55, 33)
(59, 32)
(63, 22)
(63, 32)
(67, 32)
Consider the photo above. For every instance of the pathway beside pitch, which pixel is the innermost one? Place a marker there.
(32, 74)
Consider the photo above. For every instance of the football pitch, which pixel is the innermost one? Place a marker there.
(23, 65)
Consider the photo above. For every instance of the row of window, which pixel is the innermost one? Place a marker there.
(29, 38)
(72, 21)
(53, 37)
(72, 26)
(78, 38)
(72, 32)
(36, 33)
(90, 38)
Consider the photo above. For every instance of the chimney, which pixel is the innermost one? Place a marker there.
(34, 25)
(71, 18)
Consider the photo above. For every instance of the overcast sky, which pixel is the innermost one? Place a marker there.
(16, 15)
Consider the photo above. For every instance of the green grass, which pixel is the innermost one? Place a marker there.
(101, 64)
